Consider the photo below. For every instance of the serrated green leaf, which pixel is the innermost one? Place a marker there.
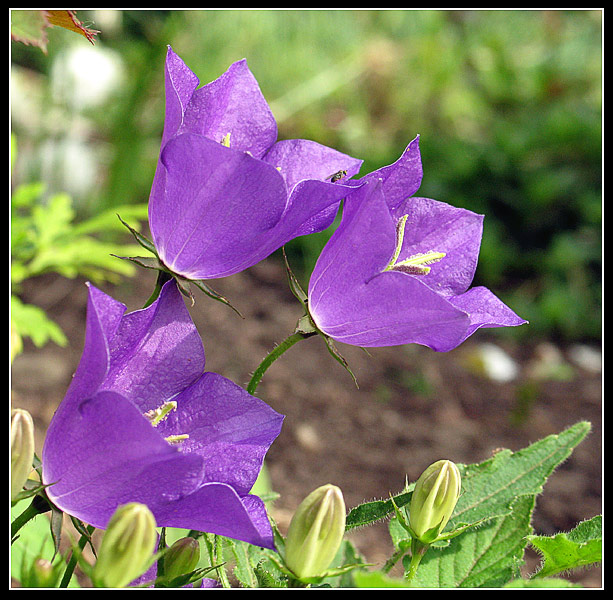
(548, 582)
(375, 510)
(243, 569)
(483, 556)
(498, 496)
(566, 551)
(489, 488)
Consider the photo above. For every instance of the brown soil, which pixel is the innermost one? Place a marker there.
(413, 405)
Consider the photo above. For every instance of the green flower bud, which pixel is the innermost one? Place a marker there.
(127, 547)
(22, 449)
(315, 533)
(181, 558)
(45, 575)
(435, 495)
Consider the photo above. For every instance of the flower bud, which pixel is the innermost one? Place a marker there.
(181, 558)
(315, 532)
(22, 449)
(127, 547)
(44, 574)
(435, 495)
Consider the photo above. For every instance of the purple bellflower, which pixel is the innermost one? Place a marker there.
(398, 268)
(142, 422)
(226, 193)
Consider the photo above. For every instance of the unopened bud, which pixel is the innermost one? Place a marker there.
(315, 532)
(44, 574)
(435, 495)
(181, 558)
(22, 449)
(127, 547)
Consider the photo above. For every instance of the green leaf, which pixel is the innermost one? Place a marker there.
(370, 512)
(546, 582)
(498, 495)
(376, 579)
(490, 488)
(484, 556)
(565, 551)
(340, 570)
(31, 321)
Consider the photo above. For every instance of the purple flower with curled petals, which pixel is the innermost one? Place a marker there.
(398, 269)
(226, 194)
(142, 422)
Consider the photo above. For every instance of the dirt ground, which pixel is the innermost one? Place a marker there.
(413, 406)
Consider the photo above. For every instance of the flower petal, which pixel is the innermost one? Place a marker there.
(401, 179)
(217, 508)
(104, 453)
(228, 427)
(439, 227)
(485, 310)
(180, 84)
(353, 300)
(155, 352)
(232, 104)
(215, 210)
(305, 159)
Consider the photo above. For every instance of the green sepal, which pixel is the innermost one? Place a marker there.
(294, 284)
(211, 293)
(140, 238)
(337, 356)
(147, 262)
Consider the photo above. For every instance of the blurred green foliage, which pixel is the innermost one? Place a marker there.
(507, 104)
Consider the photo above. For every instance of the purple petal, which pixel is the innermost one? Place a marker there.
(222, 211)
(217, 207)
(105, 453)
(436, 226)
(401, 179)
(354, 301)
(232, 104)
(180, 85)
(217, 508)
(304, 159)
(230, 429)
(101, 451)
(485, 310)
(156, 352)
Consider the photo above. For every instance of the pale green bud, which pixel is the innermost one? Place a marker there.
(44, 574)
(22, 449)
(181, 558)
(435, 495)
(315, 532)
(127, 547)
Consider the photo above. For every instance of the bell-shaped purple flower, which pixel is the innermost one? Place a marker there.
(226, 194)
(142, 422)
(398, 269)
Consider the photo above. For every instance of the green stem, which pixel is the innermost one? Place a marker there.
(221, 570)
(74, 559)
(287, 343)
(418, 549)
(162, 278)
(38, 506)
